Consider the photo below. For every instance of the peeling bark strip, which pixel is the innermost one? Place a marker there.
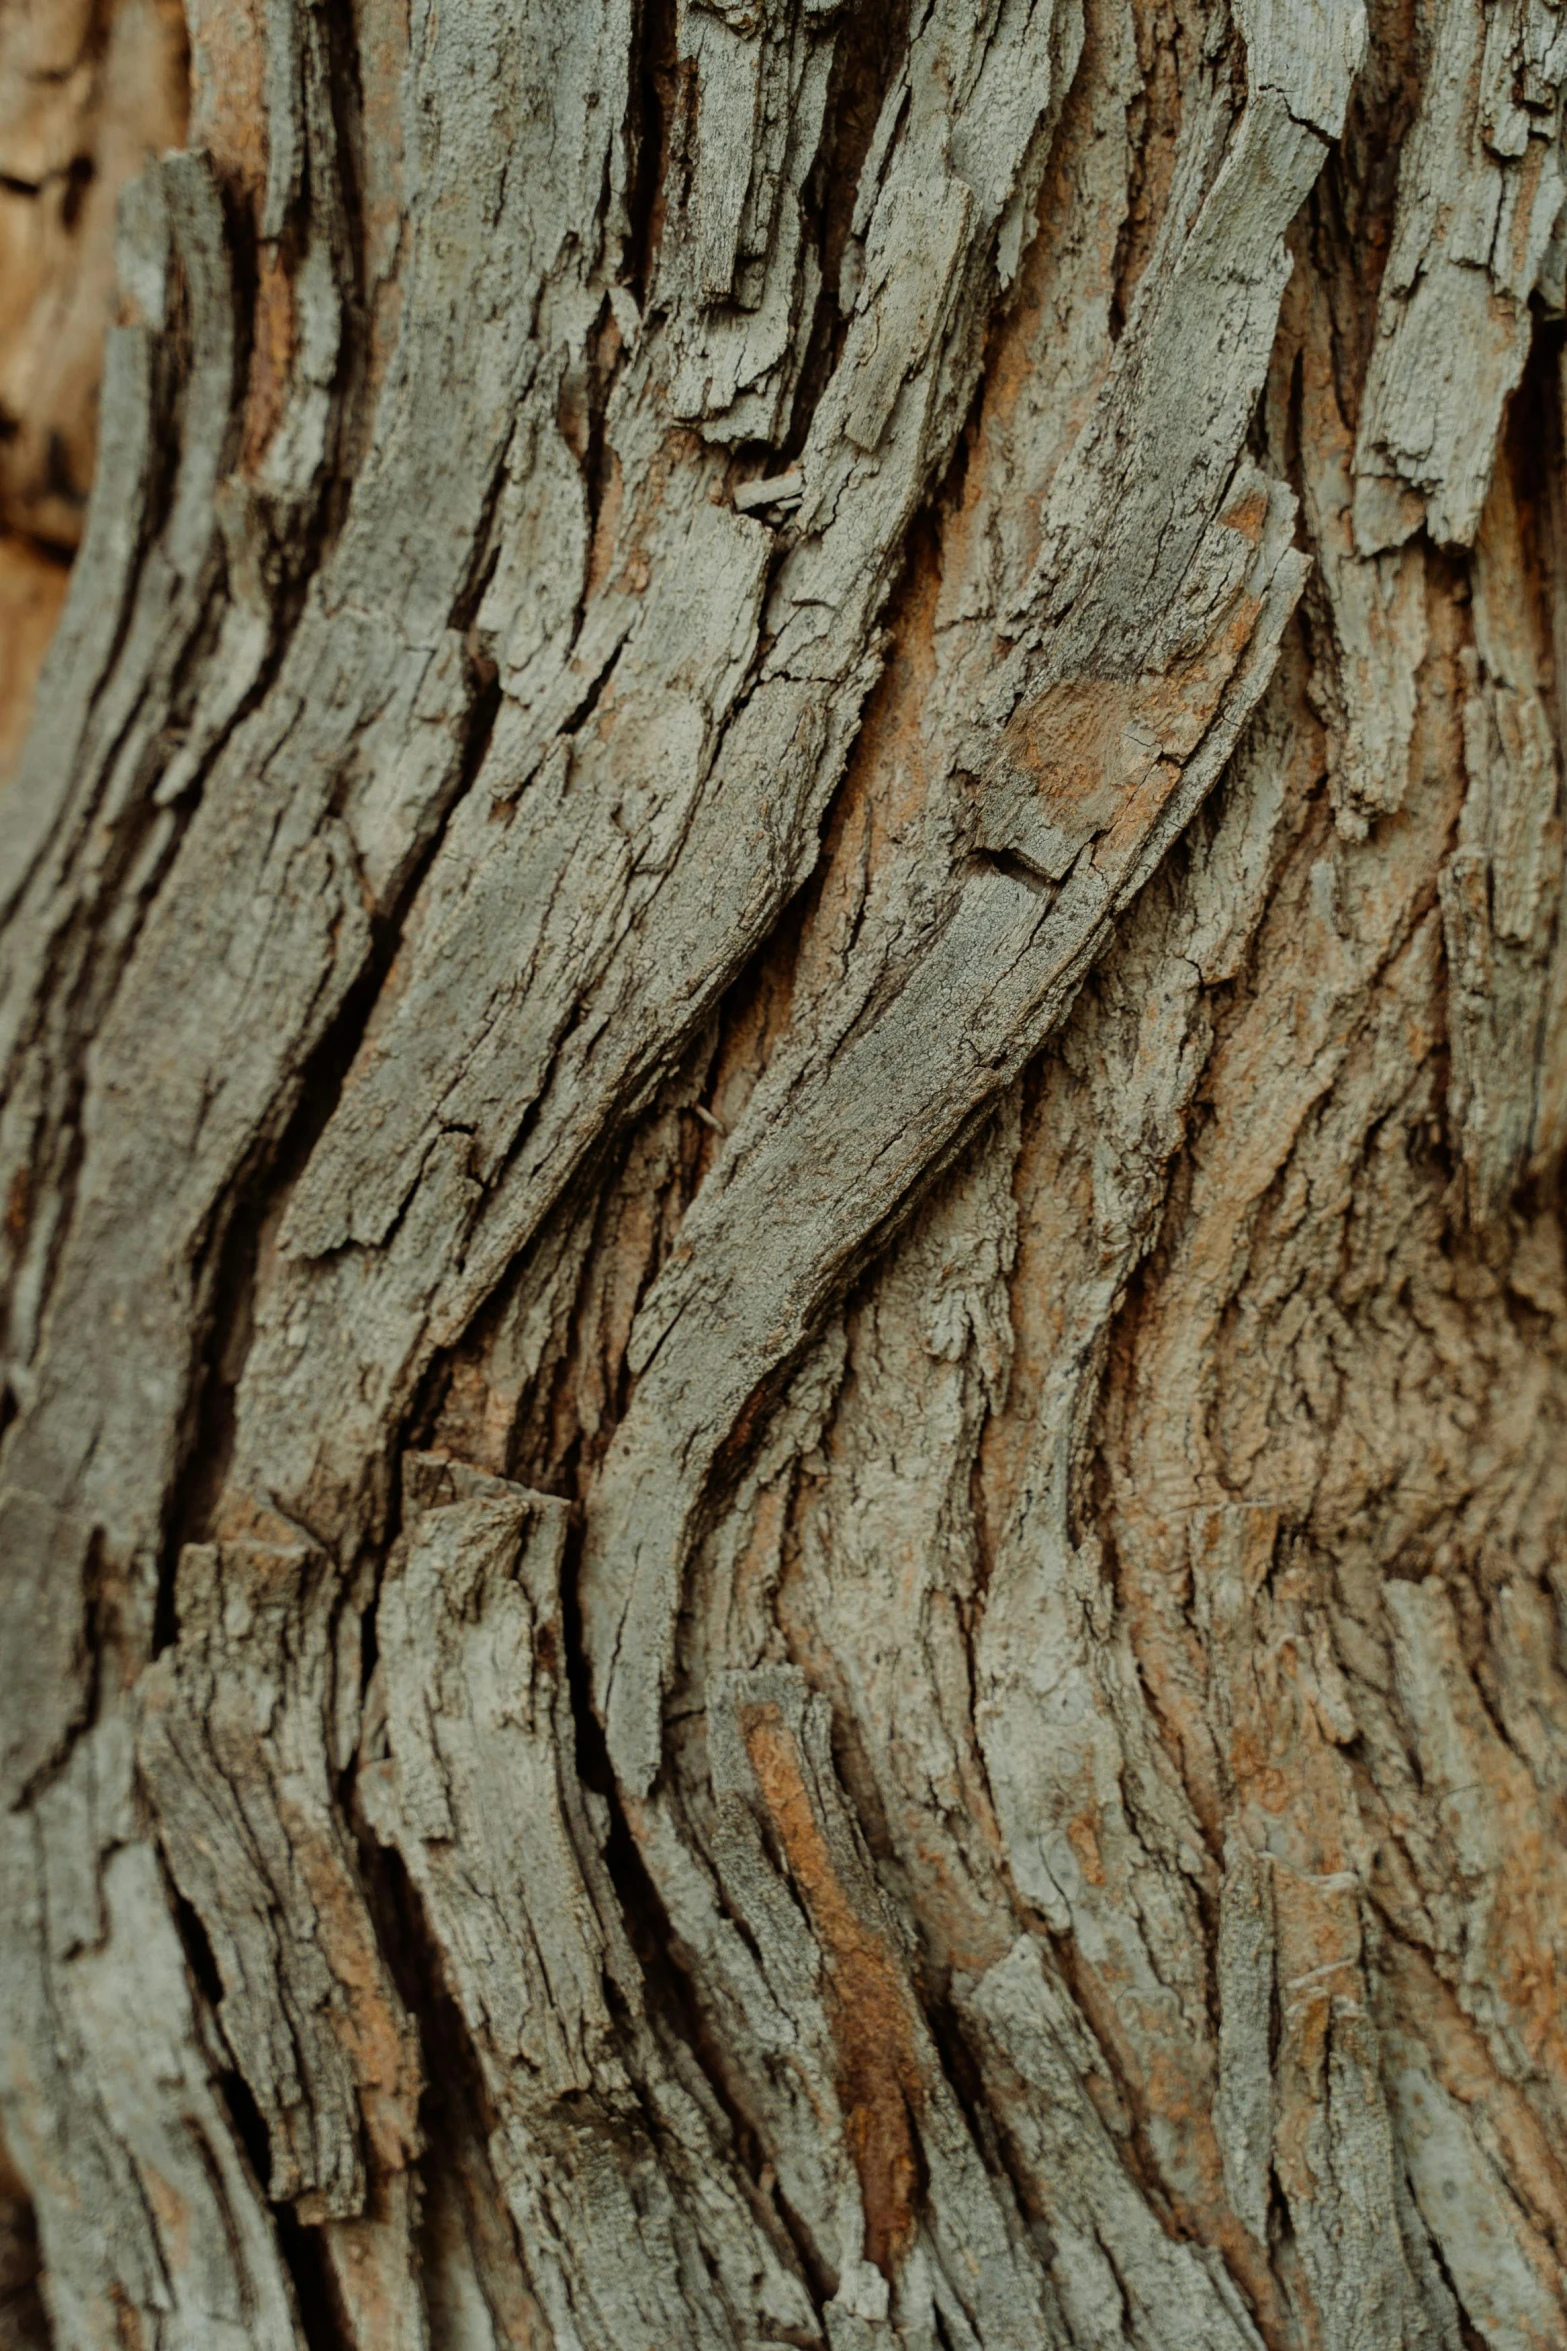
(783, 1476)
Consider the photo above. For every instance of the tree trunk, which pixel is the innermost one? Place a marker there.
(784, 1496)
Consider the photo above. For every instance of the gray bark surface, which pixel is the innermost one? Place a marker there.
(783, 1506)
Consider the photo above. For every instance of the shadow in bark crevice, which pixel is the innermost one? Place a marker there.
(667, 1985)
(298, 2246)
(654, 94)
(871, 46)
(24, 2318)
(254, 1204)
(456, 2117)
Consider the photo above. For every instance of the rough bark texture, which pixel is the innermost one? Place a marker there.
(785, 1494)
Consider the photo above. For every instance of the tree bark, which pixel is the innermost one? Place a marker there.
(784, 1501)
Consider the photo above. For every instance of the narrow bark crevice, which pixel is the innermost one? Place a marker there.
(354, 392)
(668, 1988)
(322, 2320)
(24, 2319)
(457, 2119)
(670, 1994)
(253, 1208)
(868, 56)
(655, 88)
(301, 2253)
(1352, 209)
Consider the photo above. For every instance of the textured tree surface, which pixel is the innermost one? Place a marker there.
(784, 1491)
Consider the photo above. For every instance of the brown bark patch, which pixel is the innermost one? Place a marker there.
(32, 590)
(271, 356)
(1086, 743)
(228, 101)
(87, 95)
(872, 2026)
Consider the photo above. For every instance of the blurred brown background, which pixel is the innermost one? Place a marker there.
(88, 90)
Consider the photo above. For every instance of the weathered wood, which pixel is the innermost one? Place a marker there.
(782, 1491)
